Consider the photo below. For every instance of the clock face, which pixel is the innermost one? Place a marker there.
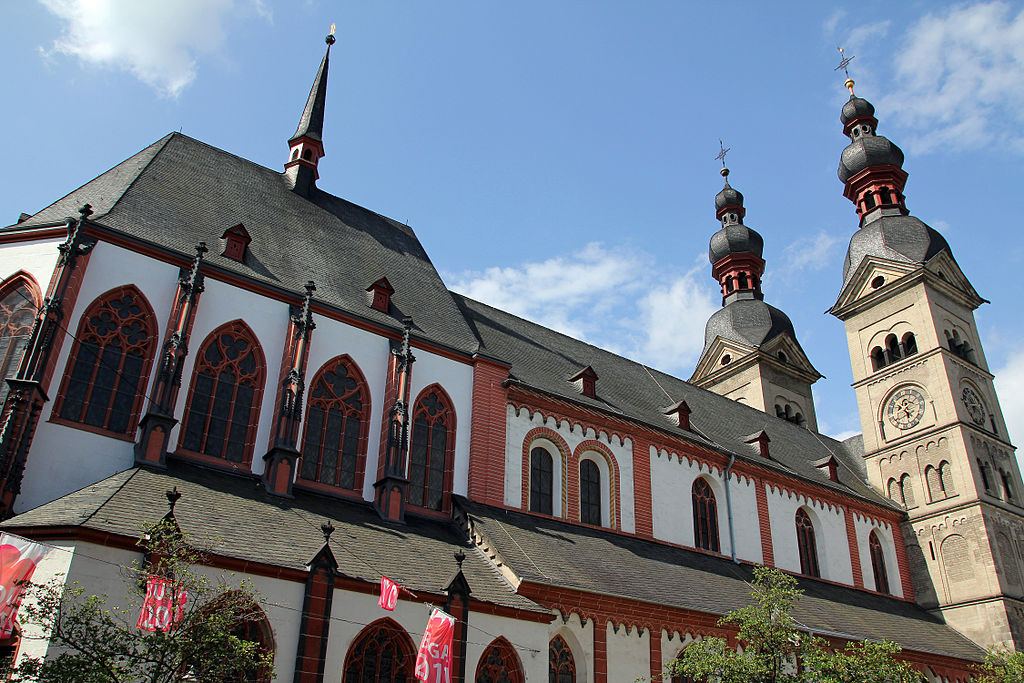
(975, 408)
(905, 408)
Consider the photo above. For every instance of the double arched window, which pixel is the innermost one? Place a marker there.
(878, 563)
(105, 381)
(337, 419)
(19, 299)
(705, 516)
(432, 450)
(561, 664)
(541, 481)
(590, 492)
(499, 664)
(940, 481)
(382, 651)
(902, 491)
(806, 544)
(895, 349)
(224, 403)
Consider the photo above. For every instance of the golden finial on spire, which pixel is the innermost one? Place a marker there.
(330, 36)
(844, 62)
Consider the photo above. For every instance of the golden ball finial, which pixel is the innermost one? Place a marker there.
(849, 85)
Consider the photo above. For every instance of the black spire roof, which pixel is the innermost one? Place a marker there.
(311, 124)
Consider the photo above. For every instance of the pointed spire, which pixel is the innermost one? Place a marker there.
(312, 122)
(306, 146)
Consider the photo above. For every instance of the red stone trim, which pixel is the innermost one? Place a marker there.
(600, 651)
(487, 435)
(531, 438)
(903, 564)
(654, 638)
(58, 420)
(22, 277)
(37, 233)
(643, 506)
(851, 538)
(390, 394)
(74, 286)
(765, 523)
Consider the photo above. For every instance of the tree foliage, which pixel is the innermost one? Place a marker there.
(93, 640)
(1002, 666)
(771, 645)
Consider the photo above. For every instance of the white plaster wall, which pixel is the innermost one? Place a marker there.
(628, 654)
(457, 380)
(65, 459)
(37, 258)
(371, 353)
(672, 479)
(519, 423)
(527, 637)
(829, 535)
(580, 639)
(863, 528)
(221, 303)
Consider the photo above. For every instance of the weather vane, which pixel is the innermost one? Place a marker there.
(844, 62)
(722, 151)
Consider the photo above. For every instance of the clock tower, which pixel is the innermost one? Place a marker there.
(934, 437)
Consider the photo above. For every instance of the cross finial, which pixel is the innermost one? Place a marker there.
(460, 557)
(327, 528)
(722, 151)
(172, 497)
(844, 62)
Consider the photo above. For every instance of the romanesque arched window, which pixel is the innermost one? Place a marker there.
(877, 358)
(499, 664)
(541, 481)
(382, 651)
(909, 344)
(896, 491)
(19, 300)
(705, 516)
(1007, 485)
(983, 469)
(561, 665)
(590, 493)
(432, 451)
(105, 380)
(337, 419)
(878, 563)
(806, 544)
(907, 487)
(892, 348)
(223, 406)
(946, 476)
(933, 478)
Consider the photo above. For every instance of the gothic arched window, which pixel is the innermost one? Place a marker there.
(590, 493)
(337, 418)
(806, 544)
(705, 516)
(224, 403)
(878, 563)
(250, 625)
(561, 665)
(381, 652)
(105, 380)
(499, 664)
(19, 299)
(432, 450)
(541, 481)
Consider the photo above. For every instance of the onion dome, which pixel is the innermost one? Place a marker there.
(856, 108)
(747, 321)
(728, 196)
(734, 237)
(868, 150)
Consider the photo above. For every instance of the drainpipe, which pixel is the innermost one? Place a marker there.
(728, 508)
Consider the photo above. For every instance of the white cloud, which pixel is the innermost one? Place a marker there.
(956, 77)
(810, 253)
(1010, 387)
(612, 297)
(158, 42)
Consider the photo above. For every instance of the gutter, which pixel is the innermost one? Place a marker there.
(728, 509)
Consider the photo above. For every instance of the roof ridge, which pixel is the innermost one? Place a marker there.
(135, 471)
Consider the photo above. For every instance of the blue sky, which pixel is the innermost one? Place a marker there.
(557, 158)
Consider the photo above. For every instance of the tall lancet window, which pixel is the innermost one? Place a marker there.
(432, 449)
(337, 416)
(224, 403)
(806, 544)
(705, 516)
(878, 563)
(541, 488)
(590, 493)
(18, 301)
(105, 381)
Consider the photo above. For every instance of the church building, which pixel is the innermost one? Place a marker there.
(288, 370)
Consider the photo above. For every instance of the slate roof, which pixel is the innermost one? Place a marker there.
(179, 191)
(552, 552)
(747, 321)
(236, 518)
(544, 360)
(894, 237)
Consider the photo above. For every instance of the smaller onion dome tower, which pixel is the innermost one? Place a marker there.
(751, 353)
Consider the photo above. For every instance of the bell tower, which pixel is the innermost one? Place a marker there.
(934, 437)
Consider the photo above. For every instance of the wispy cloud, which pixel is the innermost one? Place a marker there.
(157, 42)
(810, 253)
(1010, 386)
(613, 297)
(956, 76)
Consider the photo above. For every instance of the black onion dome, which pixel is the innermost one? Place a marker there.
(728, 197)
(855, 108)
(897, 238)
(747, 321)
(867, 151)
(735, 239)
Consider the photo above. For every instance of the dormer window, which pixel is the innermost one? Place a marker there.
(380, 295)
(682, 413)
(586, 381)
(762, 440)
(830, 466)
(236, 240)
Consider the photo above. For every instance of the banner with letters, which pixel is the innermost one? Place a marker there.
(19, 558)
(164, 606)
(434, 659)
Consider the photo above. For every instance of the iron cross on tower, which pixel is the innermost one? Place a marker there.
(722, 151)
(844, 62)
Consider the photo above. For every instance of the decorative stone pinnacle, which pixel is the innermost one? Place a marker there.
(85, 211)
(327, 528)
(172, 497)
(201, 249)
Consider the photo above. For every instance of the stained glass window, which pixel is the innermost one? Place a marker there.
(17, 315)
(431, 451)
(382, 653)
(334, 445)
(705, 516)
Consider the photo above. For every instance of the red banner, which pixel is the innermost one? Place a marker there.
(164, 606)
(388, 594)
(18, 560)
(434, 660)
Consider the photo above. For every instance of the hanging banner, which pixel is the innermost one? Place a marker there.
(18, 560)
(164, 606)
(388, 594)
(434, 660)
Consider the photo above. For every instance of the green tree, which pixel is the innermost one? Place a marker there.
(1002, 666)
(94, 641)
(857, 663)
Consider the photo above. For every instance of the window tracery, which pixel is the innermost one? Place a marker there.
(705, 516)
(432, 449)
(806, 544)
(18, 303)
(499, 664)
(561, 665)
(381, 652)
(337, 419)
(878, 563)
